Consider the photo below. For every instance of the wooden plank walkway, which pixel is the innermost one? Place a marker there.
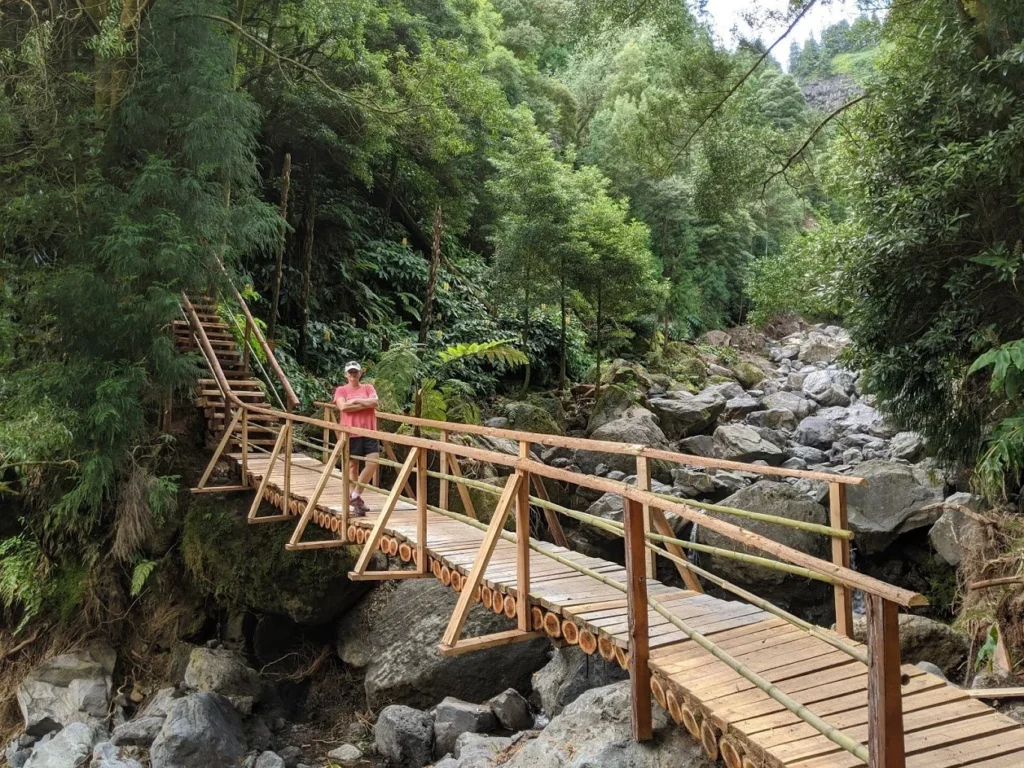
(944, 726)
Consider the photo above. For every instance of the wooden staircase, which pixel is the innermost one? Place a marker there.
(236, 368)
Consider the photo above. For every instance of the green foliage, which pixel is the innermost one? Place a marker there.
(21, 592)
(140, 573)
(498, 352)
(844, 48)
(807, 276)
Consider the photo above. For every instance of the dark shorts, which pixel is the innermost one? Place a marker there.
(362, 446)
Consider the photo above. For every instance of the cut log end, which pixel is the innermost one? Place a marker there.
(392, 546)
(351, 533)
(405, 552)
(457, 581)
(709, 739)
(537, 618)
(732, 752)
(675, 711)
(570, 632)
(691, 720)
(588, 643)
(497, 602)
(622, 657)
(552, 625)
(335, 524)
(606, 648)
(749, 762)
(446, 575)
(382, 545)
(511, 609)
(486, 596)
(659, 692)
(435, 568)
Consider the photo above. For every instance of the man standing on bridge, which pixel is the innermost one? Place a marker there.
(357, 406)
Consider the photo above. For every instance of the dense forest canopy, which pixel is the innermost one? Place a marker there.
(601, 179)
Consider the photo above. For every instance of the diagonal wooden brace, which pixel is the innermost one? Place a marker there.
(389, 506)
(266, 481)
(225, 439)
(483, 556)
(314, 498)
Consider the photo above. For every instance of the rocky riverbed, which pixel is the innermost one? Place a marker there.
(396, 702)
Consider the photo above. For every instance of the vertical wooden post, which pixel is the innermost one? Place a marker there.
(523, 547)
(841, 556)
(245, 344)
(421, 509)
(346, 484)
(442, 461)
(245, 447)
(639, 641)
(643, 482)
(287, 468)
(327, 437)
(885, 702)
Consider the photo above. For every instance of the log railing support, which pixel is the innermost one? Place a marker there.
(643, 482)
(224, 440)
(296, 540)
(271, 462)
(442, 462)
(423, 564)
(885, 699)
(523, 547)
(287, 490)
(841, 557)
(637, 622)
(346, 483)
(359, 573)
(245, 447)
(327, 438)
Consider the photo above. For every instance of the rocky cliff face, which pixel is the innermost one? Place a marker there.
(831, 93)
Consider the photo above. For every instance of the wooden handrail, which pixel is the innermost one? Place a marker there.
(606, 446)
(290, 396)
(843, 575)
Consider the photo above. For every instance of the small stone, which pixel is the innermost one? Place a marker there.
(454, 718)
(137, 733)
(404, 736)
(269, 760)
(291, 755)
(346, 755)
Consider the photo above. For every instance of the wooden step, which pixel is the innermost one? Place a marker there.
(236, 385)
(244, 394)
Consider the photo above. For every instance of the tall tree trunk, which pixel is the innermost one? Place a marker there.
(526, 329)
(309, 226)
(561, 340)
(385, 214)
(435, 258)
(597, 382)
(286, 181)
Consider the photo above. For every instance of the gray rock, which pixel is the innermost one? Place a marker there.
(347, 755)
(739, 407)
(796, 404)
(610, 505)
(498, 422)
(512, 710)
(794, 463)
(698, 445)
(614, 403)
(475, 750)
(908, 446)
(692, 482)
(807, 453)
(819, 349)
(394, 639)
(863, 418)
(738, 442)
(924, 639)
(820, 387)
(200, 729)
(594, 731)
(69, 748)
(270, 760)
(568, 675)
(159, 703)
(638, 426)
(730, 482)
(773, 418)
(291, 755)
(817, 432)
(139, 732)
(726, 390)
(681, 414)
(404, 735)
(893, 502)
(106, 755)
(224, 672)
(931, 669)
(770, 498)
(956, 533)
(454, 718)
(852, 456)
(73, 687)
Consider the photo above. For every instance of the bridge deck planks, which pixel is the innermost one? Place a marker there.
(945, 728)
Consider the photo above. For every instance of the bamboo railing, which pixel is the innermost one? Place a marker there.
(644, 528)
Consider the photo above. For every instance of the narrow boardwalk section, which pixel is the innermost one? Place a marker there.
(733, 719)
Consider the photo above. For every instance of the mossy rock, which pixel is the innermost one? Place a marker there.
(627, 374)
(720, 380)
(528, 417)
(692, 369)
(748, 374)
(613, 403)
(242, 565)
(552, 405)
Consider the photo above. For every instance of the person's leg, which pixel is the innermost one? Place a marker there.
(369, 468)
(356, 448)
(371, 451)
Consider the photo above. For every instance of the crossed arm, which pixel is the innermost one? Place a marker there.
(356, 403)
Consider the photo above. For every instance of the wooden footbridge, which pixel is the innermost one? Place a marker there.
(759, 687)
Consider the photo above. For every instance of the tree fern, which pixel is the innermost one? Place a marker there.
(498, 352)
(140, 573)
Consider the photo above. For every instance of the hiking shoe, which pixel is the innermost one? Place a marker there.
(354, 511)
(359, 504)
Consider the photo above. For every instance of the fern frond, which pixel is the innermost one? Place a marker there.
(140, 573)
(498, 352)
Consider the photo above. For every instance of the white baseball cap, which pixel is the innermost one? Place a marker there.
(353, 365)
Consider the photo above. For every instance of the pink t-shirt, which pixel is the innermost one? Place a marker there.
(364, 418)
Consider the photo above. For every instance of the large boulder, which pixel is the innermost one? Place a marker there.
(405, 736)
(681, 414)
(819, 349)
(748, 374)
(68, 749)
(908, 446)
(770, 498)
(818, 432)
(896, 499)
(924, 639)
(528, 417)
(611, 405)
(821, 388)
(512, 710)
(70, 688)
(957, 532)
(393, 636)
(568, 675)
(139, 732)
(475, 750)
(638, 426)
(454, 717)
(739, 442)
(247, 565)
(108, 755)
(610, 505)
(200, 730)
(790, 401)
(224, 672)
(595, 731)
